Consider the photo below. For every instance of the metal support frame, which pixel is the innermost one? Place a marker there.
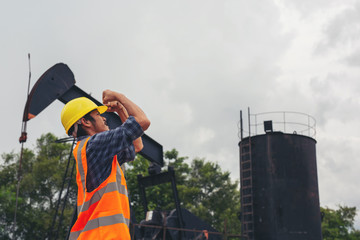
(51, 234)
(160, 178)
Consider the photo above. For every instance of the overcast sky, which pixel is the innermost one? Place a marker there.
(192, 66)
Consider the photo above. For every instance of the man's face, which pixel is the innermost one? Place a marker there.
(99, 123)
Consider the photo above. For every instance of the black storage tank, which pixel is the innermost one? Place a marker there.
(279, 187)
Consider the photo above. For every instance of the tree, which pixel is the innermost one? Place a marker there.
(217, 198)
(339, 224)
(42, 177)
(203, 189)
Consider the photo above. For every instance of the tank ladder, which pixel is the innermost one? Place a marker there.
(246, 176)
(247, 192)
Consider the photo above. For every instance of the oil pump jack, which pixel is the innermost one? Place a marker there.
(58, 82)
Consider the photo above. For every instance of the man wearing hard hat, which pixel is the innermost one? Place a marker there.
(102, 204)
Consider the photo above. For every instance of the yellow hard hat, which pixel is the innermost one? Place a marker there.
(76, 109)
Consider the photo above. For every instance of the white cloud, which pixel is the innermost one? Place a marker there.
(203, 135)
(343, 30)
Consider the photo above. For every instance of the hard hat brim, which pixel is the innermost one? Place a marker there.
(102, 109)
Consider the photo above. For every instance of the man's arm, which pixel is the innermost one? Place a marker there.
(131, 108)
(116, 106)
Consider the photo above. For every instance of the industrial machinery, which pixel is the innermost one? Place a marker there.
(58, 82)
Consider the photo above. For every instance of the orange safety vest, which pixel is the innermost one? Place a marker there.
(103, 213)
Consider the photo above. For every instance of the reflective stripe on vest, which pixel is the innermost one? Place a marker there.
(80, 167)
(100, 222)
(105, 207)
(96, 197)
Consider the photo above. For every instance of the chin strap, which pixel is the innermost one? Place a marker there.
(74, 133)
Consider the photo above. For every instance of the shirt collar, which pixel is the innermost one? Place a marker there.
(82, 138)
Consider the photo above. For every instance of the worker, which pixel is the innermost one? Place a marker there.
(102, 202)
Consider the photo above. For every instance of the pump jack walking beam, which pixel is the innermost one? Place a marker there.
(58, 82)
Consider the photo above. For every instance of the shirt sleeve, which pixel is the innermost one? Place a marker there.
(106, 145)
(102, 147)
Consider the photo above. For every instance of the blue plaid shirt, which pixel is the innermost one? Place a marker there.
(102, 147)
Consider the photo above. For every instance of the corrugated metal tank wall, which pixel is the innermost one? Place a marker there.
(280, 197)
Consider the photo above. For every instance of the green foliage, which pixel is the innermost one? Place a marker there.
(203, 189)
(41, 181)
(216, 195)
(339, 224)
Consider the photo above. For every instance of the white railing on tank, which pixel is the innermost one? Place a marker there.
(282, 121)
